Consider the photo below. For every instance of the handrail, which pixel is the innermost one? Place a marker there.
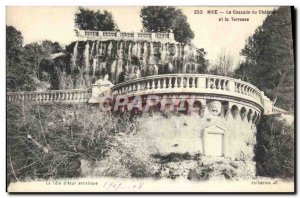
(67, 96)
(151, 36)
(278, 110)
(193, 83)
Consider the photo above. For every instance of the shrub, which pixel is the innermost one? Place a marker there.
(275, 148)
(50, 141)
(126, 158)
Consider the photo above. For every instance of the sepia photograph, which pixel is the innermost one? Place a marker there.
(150, 99)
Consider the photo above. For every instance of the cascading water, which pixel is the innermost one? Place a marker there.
(145, 54)
(92, 60)
(92, 51)
(74, 56)
(86, 57)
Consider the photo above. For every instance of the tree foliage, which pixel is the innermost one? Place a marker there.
(269, 59)
(164, 18)
(18, 77)
(23, 63)
(87, 19)
(274, 152)
(223, 65)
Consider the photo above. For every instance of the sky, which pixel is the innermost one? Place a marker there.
(57, 24)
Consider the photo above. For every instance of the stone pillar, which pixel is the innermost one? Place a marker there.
(101, 87)
(171, 35)
(201, 83)
(152, 36)
(204, 109)
(118, 34)
(231, 86)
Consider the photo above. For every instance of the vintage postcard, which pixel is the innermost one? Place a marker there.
(150, 99)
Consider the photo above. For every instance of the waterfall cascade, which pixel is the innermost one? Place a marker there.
(124, 60)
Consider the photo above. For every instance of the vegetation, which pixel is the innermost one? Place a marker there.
(275, 148)
(53, 141)
(86, 19)
(18, 77)
(223, 65)
(269, 59)
(49, 141)
(164, 18)
(23, 63)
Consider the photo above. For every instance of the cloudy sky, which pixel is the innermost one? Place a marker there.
(56, 24)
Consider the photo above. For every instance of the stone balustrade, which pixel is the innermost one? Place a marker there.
(220, 87)
(117, 35)
(52, 96)
(277, 110)
(191, 83)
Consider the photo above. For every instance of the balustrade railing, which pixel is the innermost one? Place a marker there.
(65, 96)
(190, 83)
(277, 110)
(89, 34)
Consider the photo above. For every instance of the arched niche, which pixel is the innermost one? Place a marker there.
(249, 115)
(243, 113)
(234, 111)
(182, 107)
(197, 106)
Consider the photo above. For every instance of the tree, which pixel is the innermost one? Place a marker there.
(17, 75)
(34, 53)
(224, 64)
(269, 59)
(164, 18)
(23, 63)
(86, 19)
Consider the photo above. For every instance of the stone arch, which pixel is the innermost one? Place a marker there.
(249, 115)
(243, 113)
(157, 107)
(185, 105)
(234, 111)
(197, 107)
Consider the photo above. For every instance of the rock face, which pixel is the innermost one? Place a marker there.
(122, 60)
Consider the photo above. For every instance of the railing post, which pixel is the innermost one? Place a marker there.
(170, 83)
(153, 84)
(158, 84)
(175, 83)
(164, 83)
(231, 86)
(201, 82)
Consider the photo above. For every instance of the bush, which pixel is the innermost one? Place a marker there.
(275, 148)
(127, 158)
(49, 141)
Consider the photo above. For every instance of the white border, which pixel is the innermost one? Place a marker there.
(4, 3)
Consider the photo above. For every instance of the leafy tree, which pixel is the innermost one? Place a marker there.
(163, 18)
(23, 63)
(34, 53)
(224, 64)
(269, 59)
(18, 77)
(274, 152)
(86, 19)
